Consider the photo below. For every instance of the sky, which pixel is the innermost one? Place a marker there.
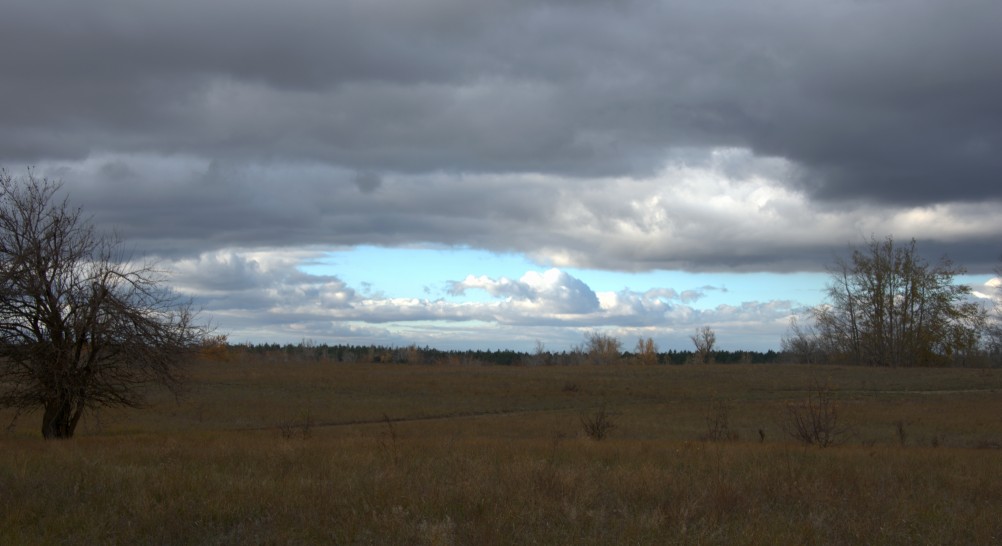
(503, 173)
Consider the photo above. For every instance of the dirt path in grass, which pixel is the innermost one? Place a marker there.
(439, 417)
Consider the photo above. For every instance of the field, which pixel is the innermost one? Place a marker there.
(271, 452)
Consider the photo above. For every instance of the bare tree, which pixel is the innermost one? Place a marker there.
(818, 419)
(802, 344)
(704, 339)
(889, 307)
(540, 356)
(80, 328)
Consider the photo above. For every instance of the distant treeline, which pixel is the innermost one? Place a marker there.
(378, 354)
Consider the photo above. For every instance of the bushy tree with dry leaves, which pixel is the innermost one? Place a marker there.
(80, 326)
(603, 348)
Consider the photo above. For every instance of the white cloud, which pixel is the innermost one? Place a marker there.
(549, 293)
(990, 290)
(255, 294)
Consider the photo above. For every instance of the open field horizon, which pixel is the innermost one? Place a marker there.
(319, 452)
(525, 190)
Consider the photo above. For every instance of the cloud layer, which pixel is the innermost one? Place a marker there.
(236, 139)
(729, 211)
(204, 123)
(869, 98)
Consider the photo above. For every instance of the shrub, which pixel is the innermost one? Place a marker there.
(301, 426)
(598, 424)
(718, 422)
(816, 420)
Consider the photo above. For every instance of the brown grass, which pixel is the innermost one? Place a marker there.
(488, 455)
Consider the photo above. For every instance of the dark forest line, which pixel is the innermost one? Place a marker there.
(382, 354)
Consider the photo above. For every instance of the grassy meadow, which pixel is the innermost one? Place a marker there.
(305, 452)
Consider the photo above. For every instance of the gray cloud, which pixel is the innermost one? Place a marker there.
(695, 217)
(883, 100)
(368, 182)
(700, 135)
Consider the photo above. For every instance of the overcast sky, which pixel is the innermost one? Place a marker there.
(487, 174)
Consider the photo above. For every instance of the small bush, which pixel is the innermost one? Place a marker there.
(598, 424)
(902, 432)
(301, 426)
(718, 422)
(816, 420)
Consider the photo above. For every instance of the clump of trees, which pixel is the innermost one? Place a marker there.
(887, 306)
(80, 326)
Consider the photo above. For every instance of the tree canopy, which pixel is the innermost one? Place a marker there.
(890, 307)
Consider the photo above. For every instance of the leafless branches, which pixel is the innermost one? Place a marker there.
(704, 339)
(79, 327)
(816, 420)
(598, 424)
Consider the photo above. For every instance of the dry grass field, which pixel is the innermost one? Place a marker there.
(323, 453)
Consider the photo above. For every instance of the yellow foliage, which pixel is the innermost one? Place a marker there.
(215, 349)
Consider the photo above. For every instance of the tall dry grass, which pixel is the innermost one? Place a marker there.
(453, 455)
(250, 489)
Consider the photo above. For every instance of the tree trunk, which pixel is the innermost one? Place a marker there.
(60, 418)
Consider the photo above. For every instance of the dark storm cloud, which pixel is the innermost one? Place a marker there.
(685, 218)
(509, 125)
(893, 99)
